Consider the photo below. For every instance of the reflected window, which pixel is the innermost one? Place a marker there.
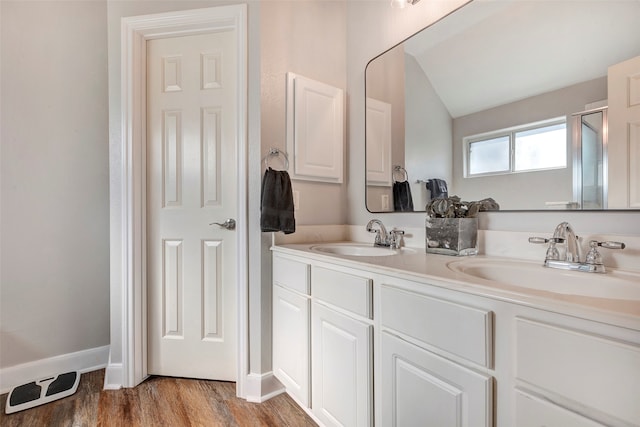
(541, 148)
(531, 147)
(489, 155)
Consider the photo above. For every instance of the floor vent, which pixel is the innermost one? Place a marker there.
(42, 391)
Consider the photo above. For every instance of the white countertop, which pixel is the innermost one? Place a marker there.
(433, 269)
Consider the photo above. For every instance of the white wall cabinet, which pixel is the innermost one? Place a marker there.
(378, 143)
(315, 129)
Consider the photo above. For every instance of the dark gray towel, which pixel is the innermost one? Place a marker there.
(276, 207)
(402, 200)
(438, 188)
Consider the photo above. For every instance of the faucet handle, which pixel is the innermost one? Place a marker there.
(594, 257)
(542, 240)
(552, 251)
(393, 238)
(607, 244)
(538, 240)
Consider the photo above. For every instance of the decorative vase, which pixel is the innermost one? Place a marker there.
(452, 236)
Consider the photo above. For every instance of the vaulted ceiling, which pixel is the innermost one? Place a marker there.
(492, 52)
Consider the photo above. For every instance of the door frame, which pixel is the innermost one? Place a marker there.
(135, 32)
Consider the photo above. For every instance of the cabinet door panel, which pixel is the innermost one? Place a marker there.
(341, 368)
(291, 342)
(600, 373)
(420, 388)
(533, 412)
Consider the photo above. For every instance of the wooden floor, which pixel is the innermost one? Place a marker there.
(159, 401)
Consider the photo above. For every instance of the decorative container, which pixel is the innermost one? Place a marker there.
(452, 236)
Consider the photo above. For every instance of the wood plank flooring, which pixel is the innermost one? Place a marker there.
(159, 401)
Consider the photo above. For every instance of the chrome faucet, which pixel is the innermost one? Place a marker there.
(383, 238)
(381, 232)
(564, 234)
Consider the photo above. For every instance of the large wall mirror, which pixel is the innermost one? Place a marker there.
(535, 104)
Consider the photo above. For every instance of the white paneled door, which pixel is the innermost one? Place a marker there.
(623, 147)
(191, 183)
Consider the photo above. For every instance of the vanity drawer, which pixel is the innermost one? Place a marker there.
(291, 274)
(347, 291)
(457, 329)
(592, 370)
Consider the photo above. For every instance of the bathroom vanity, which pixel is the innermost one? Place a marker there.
(366, 336)
(407, 339)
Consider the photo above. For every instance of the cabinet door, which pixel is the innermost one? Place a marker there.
(291, 342)
(421, 388)
(579, 369)
(341, 368)
(535, 412)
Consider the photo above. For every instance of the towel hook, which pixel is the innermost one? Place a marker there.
(399, 169)
(275, 152)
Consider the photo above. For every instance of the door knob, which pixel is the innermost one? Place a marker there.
(229, 224)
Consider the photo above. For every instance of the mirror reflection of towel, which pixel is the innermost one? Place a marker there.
(438, 188)
(402, 200)
(276, 207)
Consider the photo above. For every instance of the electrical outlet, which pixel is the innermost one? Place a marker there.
(385, 202)
(296, 200)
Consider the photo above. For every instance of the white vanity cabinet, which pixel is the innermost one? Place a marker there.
(571, 373)
(291, 317)
(420, 384)
(322, 340)
(360, 344)
(341, 348)
(421, 388)
(341, 368)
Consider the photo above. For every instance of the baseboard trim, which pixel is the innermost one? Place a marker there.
(83, 361)
(113, 376)
(262, 387)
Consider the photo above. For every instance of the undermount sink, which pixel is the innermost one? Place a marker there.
(614, 284)
(358, 249)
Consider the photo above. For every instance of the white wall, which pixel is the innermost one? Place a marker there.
(54, 283)
(429, 134)
(374, 27)
(306, 38)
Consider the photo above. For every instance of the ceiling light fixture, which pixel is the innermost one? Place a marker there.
(402, 3)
